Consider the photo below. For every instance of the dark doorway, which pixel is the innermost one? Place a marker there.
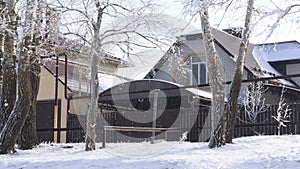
(45, 120)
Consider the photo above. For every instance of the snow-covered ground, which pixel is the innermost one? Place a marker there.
(249, 152)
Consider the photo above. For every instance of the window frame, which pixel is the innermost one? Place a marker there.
(190, 62)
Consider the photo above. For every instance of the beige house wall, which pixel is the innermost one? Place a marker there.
(80, 107)
(47, 92)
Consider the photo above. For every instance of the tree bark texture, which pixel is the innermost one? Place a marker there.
(8, 92)
(28, 138)
(93, 107)
(18, 116)
(16, 120)
(232, 104)
(2, 6)
(216, 81)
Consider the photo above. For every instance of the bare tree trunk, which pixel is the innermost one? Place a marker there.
(17, 118)
(232, 105)
(216, 81)
(28, 138)
(93, 107)
(8, 94)
(2, 6)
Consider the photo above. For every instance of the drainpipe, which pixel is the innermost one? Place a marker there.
(66, 82)
(68, 98)
(56, 101)
(66, 79)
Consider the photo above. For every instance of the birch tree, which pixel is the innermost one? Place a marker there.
(273, 23)
(17, 117)
(8, 92)
(90, 142)
(2, 6)
(128, 18)
(215, 70)
(232, 104)
(28, 137)
(216, 81)
(218, 135)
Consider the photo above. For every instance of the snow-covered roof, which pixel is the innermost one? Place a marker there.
(274, 52)
(202, 93)
(140, 64)
(107, 80)
(282, 51)
(263, 63)
(145, 84)
(197, 31)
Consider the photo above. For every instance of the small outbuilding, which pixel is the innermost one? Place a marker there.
(151, 103)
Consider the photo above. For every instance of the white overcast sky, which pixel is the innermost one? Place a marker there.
(287, 30)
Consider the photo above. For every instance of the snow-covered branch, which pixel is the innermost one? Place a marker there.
(193, 7)
(78, 35)
(276, 15)
(283, 112)
(281, 15)
(253, 102)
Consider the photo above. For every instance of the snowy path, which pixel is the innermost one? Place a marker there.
(248, 152)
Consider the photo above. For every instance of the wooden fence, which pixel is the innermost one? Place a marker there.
(266, 124)
(199, 129)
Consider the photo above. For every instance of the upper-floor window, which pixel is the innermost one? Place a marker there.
(198, 71)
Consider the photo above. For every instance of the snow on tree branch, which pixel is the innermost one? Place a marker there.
(193, 7)
(283, 112)
(253, 102)
(276, 15)
(123, 23)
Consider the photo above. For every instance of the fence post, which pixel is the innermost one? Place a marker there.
(104, 137)
(155, 99)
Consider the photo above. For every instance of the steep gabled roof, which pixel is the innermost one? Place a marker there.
(232, 44)
(253, 61)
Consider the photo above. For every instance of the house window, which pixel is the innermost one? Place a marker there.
(198, 71)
